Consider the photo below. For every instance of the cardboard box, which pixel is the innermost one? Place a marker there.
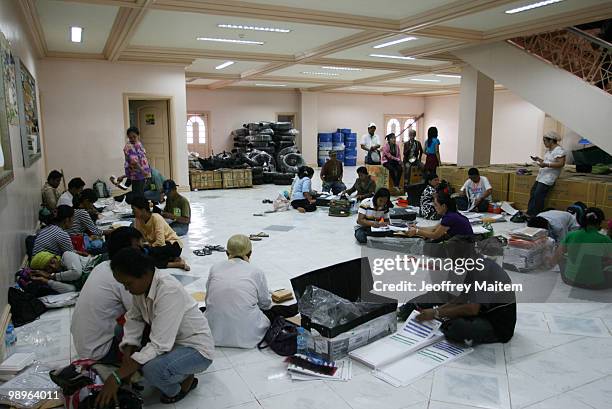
(379, 174)
(499, 178)
(237, 178)
(205, 179)
(603, 198)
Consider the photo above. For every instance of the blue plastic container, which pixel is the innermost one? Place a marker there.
(351, 137)
(350, 161)
(340, 155)
(325, 146)
(337, 137)
(325, 137)
(350, 152)
(350, 145)
(344, 130)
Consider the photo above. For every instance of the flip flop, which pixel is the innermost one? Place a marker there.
(253, 237)
(216, 247)
(261, 234)
(257, 214)
(204, 252)
(167, 399)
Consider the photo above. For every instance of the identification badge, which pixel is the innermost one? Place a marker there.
(177, 212)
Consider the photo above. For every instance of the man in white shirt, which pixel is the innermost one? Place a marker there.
(238, 304)
(477, 189)
(75, 186)
(102, 301)
(370, 143)
(550, 169)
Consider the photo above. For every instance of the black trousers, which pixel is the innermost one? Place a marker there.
(305, 204)
(537, 198)
(138, 187)
(285, 311)
(165, 254)
(395, 171)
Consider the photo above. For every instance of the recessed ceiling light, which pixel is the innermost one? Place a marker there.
(423, 80)
(225, 64)
(341, 68)
(397, 57)
(532, 6)
(448, 76)
(76, 34)
(228, 40)
(328, 74)
(401, 40)
(270, 85)
(254, 28)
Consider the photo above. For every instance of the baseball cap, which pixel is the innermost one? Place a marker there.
(168, 185)
(552, 135)
(372, 124)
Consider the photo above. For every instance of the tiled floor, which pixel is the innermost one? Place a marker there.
(559, 358)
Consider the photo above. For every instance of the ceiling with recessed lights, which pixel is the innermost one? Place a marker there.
(389, 47)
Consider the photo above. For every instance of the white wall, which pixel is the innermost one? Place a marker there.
(83, 114)
(517, 127)
(19, 201)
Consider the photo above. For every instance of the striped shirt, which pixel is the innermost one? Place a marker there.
(52, 239)
(82, 223)
(370, 212)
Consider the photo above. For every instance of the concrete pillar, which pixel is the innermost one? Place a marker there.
(308, 127)
(475, 118)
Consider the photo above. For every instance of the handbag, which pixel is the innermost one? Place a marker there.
(281, 337)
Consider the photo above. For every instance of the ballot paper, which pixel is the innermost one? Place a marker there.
(411, 337)
(479, 230)
(506, 207)
(344, 372)
(389, 228)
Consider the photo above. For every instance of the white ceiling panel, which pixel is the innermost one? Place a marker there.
(208, 65)
(496, 17)
(391, 9)
(298, 71)
(430, 79)
(363, 52)
(274, 85)
(57, 17)
(363, 88)
(201, 82)
(180, 30)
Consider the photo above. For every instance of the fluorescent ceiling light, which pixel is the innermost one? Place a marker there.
(401, 40)
(76, 34)
(448, 76)
(225, 64)
(423, 80)
(270, 85)
(397, 57)
(341, 68)
(228, 40)
(329, 74)
(254, 28)
(532, 6)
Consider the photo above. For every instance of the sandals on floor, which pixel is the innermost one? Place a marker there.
(166, 399)
(253, 237)
(216, 247)
(261, 234)
(204, 252)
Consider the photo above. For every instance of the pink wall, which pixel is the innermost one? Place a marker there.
(19, 201)
(83, 114)
(517, 127)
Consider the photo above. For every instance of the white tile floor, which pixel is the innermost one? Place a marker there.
(560, 356)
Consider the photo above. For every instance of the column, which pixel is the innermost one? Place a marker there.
(308, 127)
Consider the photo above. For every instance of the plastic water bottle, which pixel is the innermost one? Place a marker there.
(10, 340)
(302, 341)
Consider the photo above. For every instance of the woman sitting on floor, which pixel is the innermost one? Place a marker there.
(452, 223)
(373, 212)
(179, 343)
(82, 223)
(165, 245)
(238, 305)
(53, 238)
(301, 197)
(428, 209)
(586, 255)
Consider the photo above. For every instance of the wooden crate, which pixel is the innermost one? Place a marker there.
(205, 179)
(237, 178)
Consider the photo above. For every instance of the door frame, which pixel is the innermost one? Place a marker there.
(127, 97)
(208, 127)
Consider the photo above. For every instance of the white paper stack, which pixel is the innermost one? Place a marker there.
(528, 233)
(15, 364)
(60, 300)
(343, 373)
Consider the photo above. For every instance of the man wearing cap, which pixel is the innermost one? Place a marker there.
(550, 169)
(177, 208)
(370, 143)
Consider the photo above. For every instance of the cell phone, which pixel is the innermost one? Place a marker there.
(535, 158)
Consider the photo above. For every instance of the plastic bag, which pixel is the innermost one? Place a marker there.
(330, 310)
(34, 379)
(281, 203)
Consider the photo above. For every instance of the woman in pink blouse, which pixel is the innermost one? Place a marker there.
(137, 168)
(392, 160)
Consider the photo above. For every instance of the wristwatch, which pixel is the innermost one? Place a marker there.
(436, 312)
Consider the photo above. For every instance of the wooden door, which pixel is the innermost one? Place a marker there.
(152, 119)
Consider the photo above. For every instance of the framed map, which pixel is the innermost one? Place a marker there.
(28, 115)
(10, 81)
(6, 158)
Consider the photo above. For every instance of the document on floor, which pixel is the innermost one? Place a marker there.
(415, 366)
(411, 337)
(388, 229)
(479, 230)
(343, 372)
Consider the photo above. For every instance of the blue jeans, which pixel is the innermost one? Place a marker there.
(334, 187)
(361, 234)
(168, 371)
(537, 198)
(181, 229)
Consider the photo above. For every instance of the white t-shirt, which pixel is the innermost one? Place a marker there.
(370, 141)
(101, 302)
(65, 199)
(236, 292)
(548, 176)
(476, 190)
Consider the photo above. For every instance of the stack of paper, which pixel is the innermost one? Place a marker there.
(528, 233)
(15, 364)
(411, 337)
(473, 217)
(343, 372)
(389, 228)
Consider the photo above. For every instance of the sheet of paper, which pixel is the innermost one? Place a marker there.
(506, 207)
(388, 229)
(344, 372)
(479, 230)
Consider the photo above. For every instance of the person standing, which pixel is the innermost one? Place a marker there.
(413, 152)
(392, 160)
(370, 143)
(137, 168)
(331, 175)
(550, 169)
(432, 150)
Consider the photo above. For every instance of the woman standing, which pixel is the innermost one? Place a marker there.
(137, 168)
(428, 209)
(432, 150)
(392, 160)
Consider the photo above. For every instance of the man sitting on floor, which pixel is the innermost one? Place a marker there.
(475, 192)
(364, 185)
(177, 208)
(75, 186)
(331, 175)
(50, 191)
(238, 304)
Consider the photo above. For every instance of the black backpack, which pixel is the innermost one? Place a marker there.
(281, 337)
(25, 307)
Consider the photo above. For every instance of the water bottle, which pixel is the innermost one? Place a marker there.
(10, 340)
(302, 341)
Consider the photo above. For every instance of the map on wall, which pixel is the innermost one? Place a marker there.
(10, 81)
